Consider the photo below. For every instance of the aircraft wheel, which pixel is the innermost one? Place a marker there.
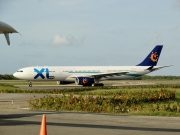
(87, 85)
(30, 84)
(98, 84)
(58, 82)
(101, 84)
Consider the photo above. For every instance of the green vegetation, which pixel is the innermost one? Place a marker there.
(159, 99)
(9, 88)
(147, 77)
(7, 77)
(144, 77)
(119, 102)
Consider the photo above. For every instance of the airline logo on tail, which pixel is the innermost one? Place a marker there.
(154, 57)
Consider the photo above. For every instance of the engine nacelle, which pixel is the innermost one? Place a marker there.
(85, 81)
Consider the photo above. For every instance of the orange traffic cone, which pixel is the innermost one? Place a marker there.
(43, 130)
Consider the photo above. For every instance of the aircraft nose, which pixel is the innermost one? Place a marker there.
(15, 75)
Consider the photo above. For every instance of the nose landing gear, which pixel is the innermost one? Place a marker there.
(30, 84)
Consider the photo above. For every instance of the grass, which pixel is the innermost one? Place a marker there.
(145, 109)
(24, 82)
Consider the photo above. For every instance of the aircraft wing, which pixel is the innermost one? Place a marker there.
(100, 75)
(108, 74)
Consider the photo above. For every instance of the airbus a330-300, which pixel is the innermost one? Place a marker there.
(90, 75)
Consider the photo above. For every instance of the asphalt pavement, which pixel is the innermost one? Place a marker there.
(17, 119)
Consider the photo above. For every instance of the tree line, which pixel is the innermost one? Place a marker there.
(144, 77)
(147, 77)
(7, 77)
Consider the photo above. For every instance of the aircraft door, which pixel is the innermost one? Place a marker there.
(61, 71)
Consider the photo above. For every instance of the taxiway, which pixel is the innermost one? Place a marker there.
(16, 118)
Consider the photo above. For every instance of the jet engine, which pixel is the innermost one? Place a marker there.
(85, 81)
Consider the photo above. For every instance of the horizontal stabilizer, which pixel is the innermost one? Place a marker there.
(152, 68)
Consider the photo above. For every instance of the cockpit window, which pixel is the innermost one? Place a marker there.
(19, 71)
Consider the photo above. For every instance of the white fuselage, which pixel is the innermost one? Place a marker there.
(69, 73)
(88, 75)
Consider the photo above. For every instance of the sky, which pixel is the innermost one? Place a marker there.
(90, 33)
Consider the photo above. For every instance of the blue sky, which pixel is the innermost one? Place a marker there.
(90, 32)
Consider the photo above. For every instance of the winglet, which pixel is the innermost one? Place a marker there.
(153, 57)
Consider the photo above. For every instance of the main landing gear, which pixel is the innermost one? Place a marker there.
(98, 84)
(95, 85)
(87, 85)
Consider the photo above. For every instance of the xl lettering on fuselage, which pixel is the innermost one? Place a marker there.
(40, 73)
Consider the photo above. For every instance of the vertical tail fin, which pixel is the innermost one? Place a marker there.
(153, 57)
(7, 38)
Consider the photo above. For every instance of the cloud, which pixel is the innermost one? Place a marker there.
(59, 40)
(177, 4)
(155, 39)
(175, 28)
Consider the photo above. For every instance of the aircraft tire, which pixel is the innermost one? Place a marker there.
(58, 82)
(30, 85)
(89, 85)
(98, 84)
(101, 84)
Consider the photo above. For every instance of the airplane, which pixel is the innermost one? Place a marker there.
(6, 29)
(90, 75)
